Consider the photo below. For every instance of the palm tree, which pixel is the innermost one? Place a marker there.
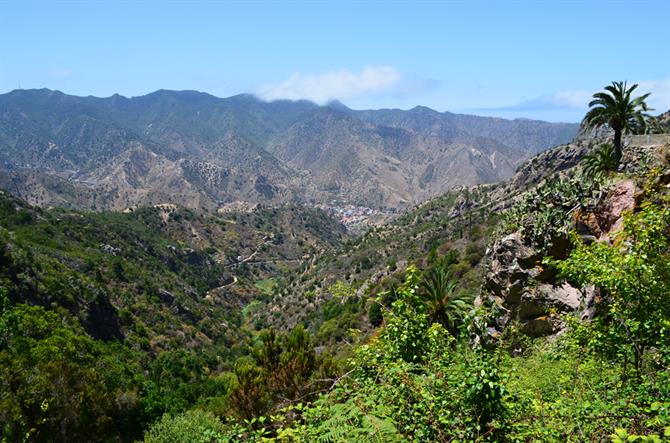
(615, 108)
(443, 306)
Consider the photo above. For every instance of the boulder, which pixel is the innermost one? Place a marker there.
(511, 264)
(166, 296)
(541, 326)
(524, 291)
(609, 214)
(545, 298)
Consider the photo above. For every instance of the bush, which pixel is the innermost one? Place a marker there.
(375, 315)
(601, 161)
(193, 426)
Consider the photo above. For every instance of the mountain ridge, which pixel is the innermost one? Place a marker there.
(296, 151)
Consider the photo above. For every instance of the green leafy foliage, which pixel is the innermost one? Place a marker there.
(445, 305)
(544, 213)
(192, 426)
(600, 162)
(111, 320)
(634, 275)
(356, 419)
(56, 382)
(283, 368)
(414, 383)
(561, 392)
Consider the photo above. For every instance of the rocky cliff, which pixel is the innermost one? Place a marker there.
(521, 287)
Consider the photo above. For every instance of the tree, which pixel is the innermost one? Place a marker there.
(634, 275)
(615, 108)
(600, 162)
(55, 382)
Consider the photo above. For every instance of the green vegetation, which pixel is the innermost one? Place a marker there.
(122, 327)
(634, 276)
(545, 214)
(417, 382)
(58, 383)
(601, 161)
(157, 365)
(339, 291)
(443, 305)
(266, 286)
(108, 321)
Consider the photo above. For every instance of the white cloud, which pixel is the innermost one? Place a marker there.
(660, 94)
(61, 72)
(578, 99)
(339, 84)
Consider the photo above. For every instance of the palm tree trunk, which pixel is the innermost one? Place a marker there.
(617, 146)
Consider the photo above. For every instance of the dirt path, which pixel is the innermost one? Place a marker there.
(208, 294)
(275, 260)
(253, 254)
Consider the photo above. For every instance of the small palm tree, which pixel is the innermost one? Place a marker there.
(615, 108)
(601, 161)
(442, 303)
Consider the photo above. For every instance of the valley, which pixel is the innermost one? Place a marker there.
(381, 221)
(278, 316)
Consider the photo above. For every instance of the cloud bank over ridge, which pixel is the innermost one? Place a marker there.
(341, 84)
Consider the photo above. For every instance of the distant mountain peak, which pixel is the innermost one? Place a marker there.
(208, 150)
(423, 110)
(338, 105)
(179, 94)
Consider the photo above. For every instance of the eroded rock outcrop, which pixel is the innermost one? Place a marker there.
(524, 290)
(607, 218)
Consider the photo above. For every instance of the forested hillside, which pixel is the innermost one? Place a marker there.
(110, 320)
(546, 352)
(159, 311)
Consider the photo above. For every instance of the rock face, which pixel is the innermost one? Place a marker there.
(557, 159)
(610, 213)
(607, 218)
(524, 291)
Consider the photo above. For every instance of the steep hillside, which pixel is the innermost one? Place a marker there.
(461, 225)
(579, 256)
(130, 308)
(165, 246)
(112, 319)
(567, 339)
(525, 135)
(198, 150)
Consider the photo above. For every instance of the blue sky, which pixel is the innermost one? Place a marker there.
(535, 59)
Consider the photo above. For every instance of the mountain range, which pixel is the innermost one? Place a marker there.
(201, 151)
